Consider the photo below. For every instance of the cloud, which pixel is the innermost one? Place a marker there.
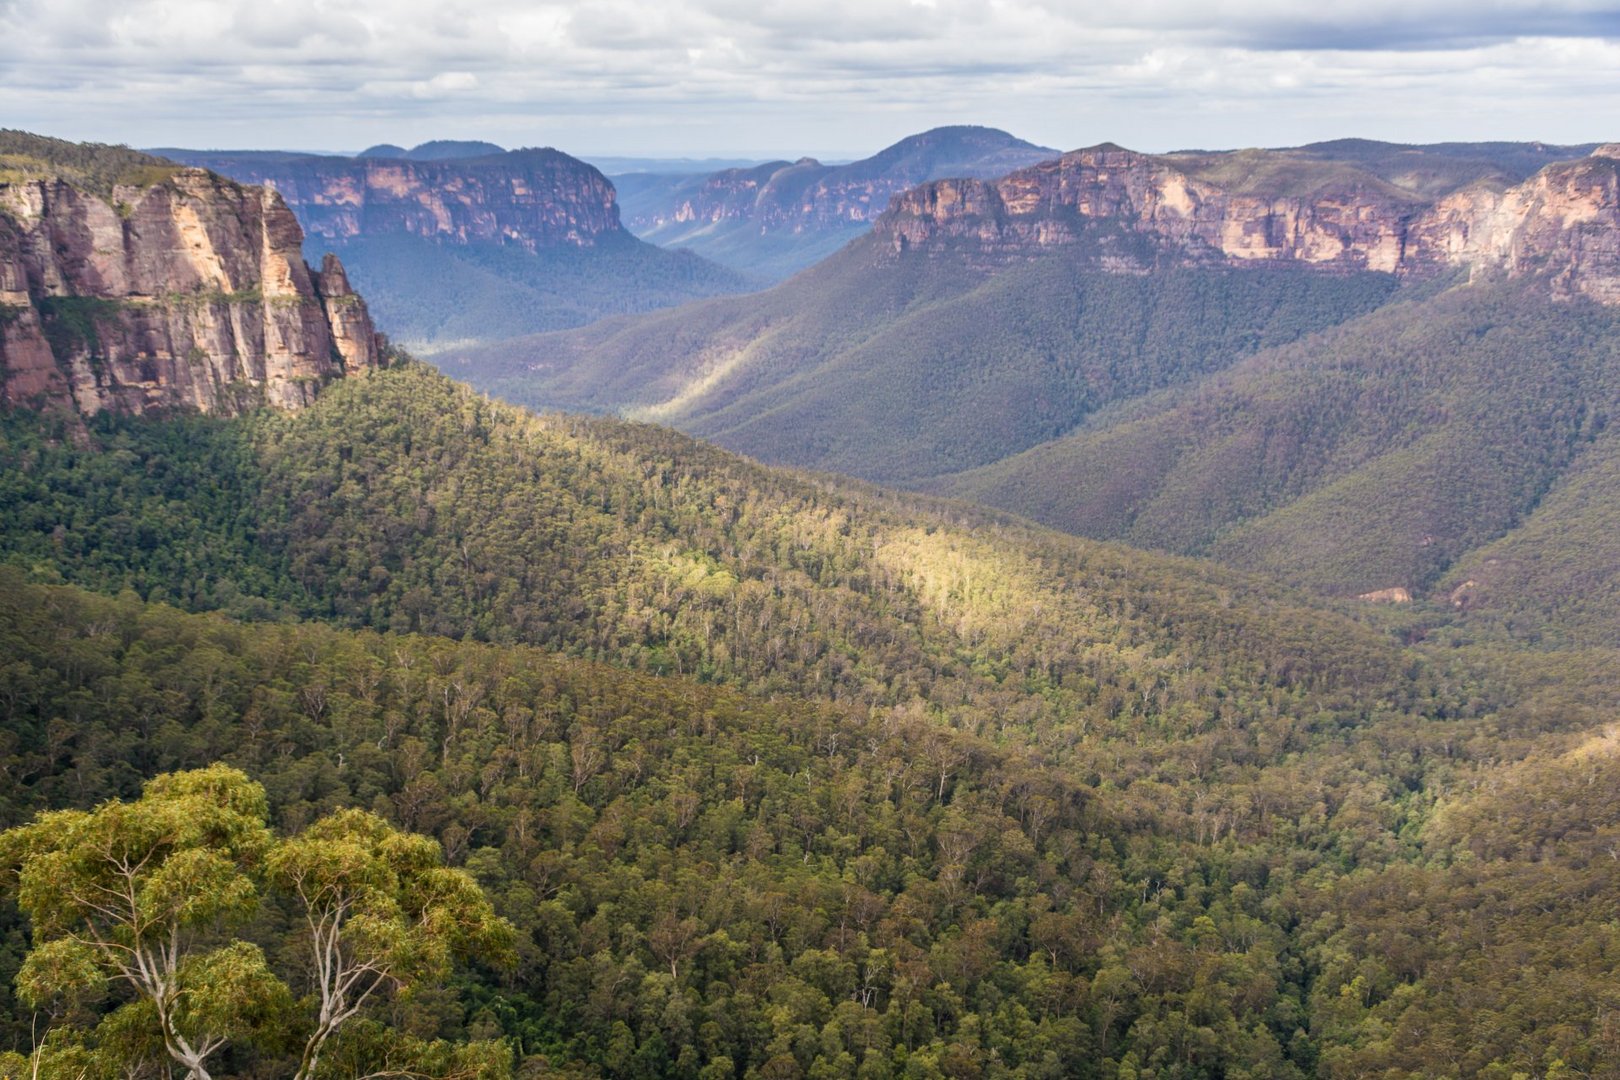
(780, 77)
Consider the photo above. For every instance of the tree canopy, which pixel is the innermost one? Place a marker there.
(135, 905)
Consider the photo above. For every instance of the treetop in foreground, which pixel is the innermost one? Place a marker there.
(136, 910)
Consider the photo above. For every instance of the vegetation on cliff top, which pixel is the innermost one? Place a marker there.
(93, 167)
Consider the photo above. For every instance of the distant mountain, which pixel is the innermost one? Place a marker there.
(436, 150)
(454, 249)
(617, 167)
(778, 217)
(981, 318)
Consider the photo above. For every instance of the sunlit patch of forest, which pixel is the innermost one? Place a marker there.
(781, 776)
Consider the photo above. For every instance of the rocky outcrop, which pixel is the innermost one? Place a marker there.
(1138, 210)
(1394, 595)
(533, 199)
(1563, 223)
(188, 293)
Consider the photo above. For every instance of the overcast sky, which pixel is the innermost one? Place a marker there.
(781, 78)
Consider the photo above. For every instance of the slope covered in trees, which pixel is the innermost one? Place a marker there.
(981, 799)
(1452, 440)
(406, 502)
(711, 884)
(901, 370)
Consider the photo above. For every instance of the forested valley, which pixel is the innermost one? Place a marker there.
(775, 775)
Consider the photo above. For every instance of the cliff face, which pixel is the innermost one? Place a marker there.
(188, 293)
(1563, 222)
(533, 199)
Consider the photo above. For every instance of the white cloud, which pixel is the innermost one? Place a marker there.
(783, 77)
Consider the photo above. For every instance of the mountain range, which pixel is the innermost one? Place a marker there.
(772, 219)
(1225, 354)
(777, 773)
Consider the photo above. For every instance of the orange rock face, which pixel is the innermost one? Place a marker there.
(191, 293)
(1563, 223)
(532, 199)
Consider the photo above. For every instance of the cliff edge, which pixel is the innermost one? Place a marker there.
(1139, 209)
(130, 283)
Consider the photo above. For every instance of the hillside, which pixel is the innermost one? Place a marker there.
(408, 503)
(1391, 453)
(774, 219)
(1018, 802)
(896, 372)
(451, 249)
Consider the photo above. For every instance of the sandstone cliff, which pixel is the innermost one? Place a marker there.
(1137, 210)
(187, 292)
(533, 199)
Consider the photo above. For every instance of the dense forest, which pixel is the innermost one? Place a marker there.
(707, 883)
(901, 370)
(1457, 438)
(779, 776)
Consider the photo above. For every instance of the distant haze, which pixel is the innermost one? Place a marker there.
(833, 78)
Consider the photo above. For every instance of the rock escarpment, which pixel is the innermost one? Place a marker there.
(532, 199)
(1138, 210)
(190, 292)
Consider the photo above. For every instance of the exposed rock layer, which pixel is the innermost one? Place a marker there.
(1563, 222)
(533, 199)
(189, 293)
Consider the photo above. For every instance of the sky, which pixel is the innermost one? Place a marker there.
(836, 79)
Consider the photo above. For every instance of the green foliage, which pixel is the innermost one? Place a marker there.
(92, 167)
(143, 893)
(700, 877)
(167, 509)
(402, 502)
(1376, 455)
(71, 324)
(131, 892)
(902, 370)
(981, 799)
